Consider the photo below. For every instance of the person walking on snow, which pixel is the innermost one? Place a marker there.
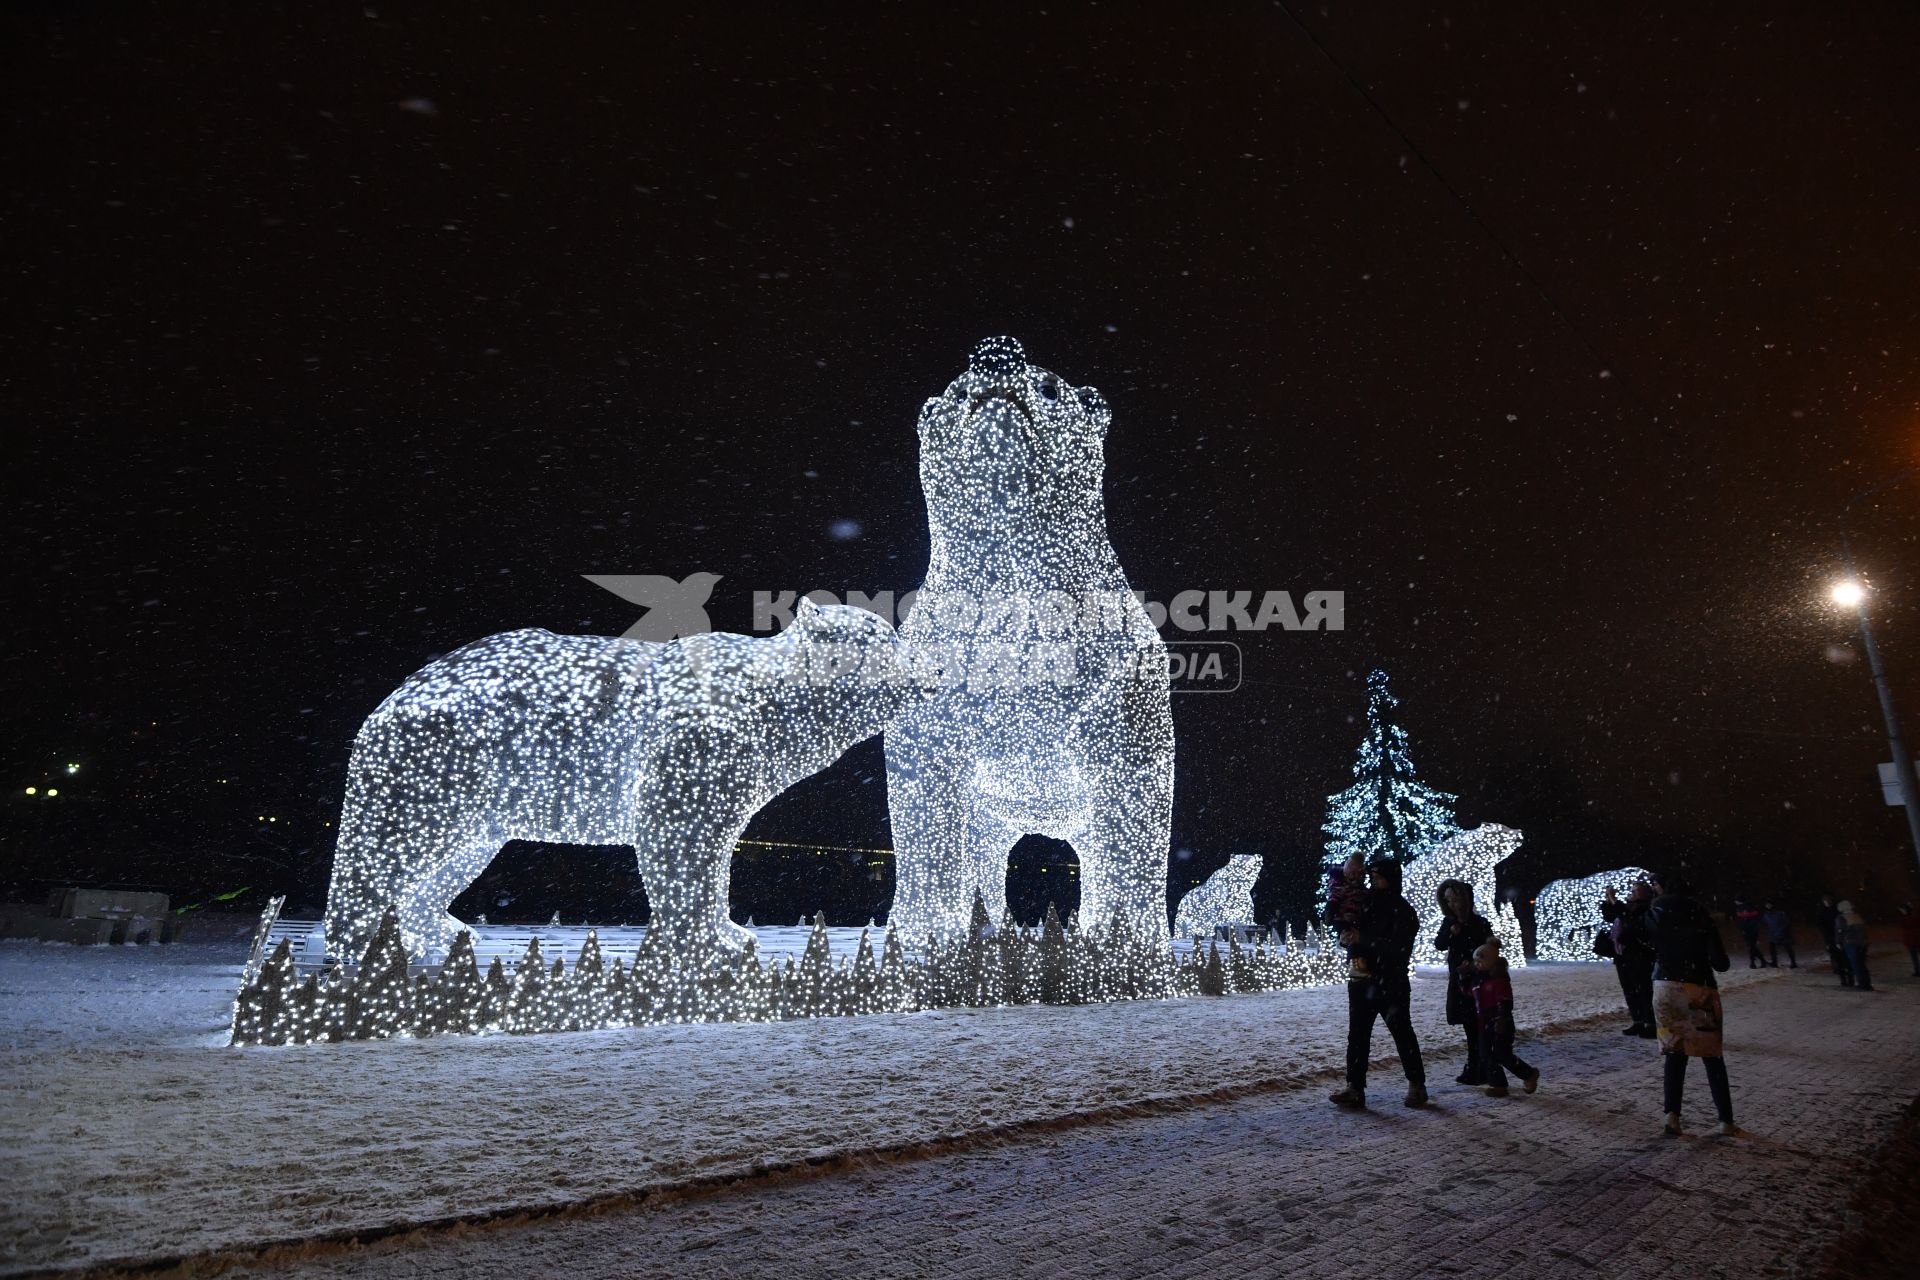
(1493, 1000)
(1779, 934)
(1380, 944)
(1830, 935)
(1910, 934)
(1462, 930)
(1852, 930)
(1633, 959)
(1748, 918)
(1686, 998)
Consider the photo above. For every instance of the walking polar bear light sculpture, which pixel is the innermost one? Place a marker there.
(1052, 714)
(671, 748)
(1566, 913)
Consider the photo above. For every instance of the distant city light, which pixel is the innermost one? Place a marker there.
(1848, 593)
(52, 791)
(33, 791)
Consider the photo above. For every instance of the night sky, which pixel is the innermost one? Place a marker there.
(1557, 337)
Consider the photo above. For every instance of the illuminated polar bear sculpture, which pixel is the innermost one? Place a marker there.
(1225, 899)
(670, 748)
(1052, 714)
(1566, 914)
(1471, 856)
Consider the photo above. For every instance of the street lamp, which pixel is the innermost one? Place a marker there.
(1850, 593)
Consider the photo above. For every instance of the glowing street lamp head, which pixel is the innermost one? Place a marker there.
(1848, 593)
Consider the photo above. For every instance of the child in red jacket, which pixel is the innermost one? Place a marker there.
(1493, 1001)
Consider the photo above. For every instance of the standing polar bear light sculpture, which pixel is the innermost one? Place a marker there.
(1052, 716)
(1472, 857)
(671, 748)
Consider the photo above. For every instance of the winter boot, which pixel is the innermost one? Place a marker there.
(1673, 1124)
(1531, 1083)
(1728, 1129)
(1350, 1098)
(1496, 1091)
(1416, 1095)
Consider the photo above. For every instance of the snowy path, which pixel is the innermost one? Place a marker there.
(133, 1136)
(1572, 1181)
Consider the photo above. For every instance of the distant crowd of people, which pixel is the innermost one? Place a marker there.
(1665, 948)
(1842, 929)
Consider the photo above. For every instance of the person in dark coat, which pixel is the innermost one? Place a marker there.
(1852, 929)
(1910, 934)
(1686, 998)
(1830, 935)
(1779, 934)
(1747, 916)
(1633, 959)
(1380, 944)
(1462, 930)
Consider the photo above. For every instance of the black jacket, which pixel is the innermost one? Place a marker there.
(1686, 942)
(1460, 941)
(1386, 932)
(1635, 947)
(1829, 918)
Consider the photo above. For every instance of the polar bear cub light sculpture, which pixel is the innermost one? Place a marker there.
(1052, 715)
(670, 748)
(1225, 899)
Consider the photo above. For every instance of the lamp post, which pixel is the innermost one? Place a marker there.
(1851, 592)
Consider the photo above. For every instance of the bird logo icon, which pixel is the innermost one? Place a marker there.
(673, 609)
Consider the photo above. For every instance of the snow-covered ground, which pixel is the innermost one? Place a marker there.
(133, 1133)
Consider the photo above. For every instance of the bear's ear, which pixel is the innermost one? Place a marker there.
(927, 411)
(1094, 405)
(809, 617)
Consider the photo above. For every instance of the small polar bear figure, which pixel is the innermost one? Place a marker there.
(1226, 898)
(669, 747)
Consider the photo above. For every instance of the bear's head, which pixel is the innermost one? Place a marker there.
(1009, 444)
(845, 664)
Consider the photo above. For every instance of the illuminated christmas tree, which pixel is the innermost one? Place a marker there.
(1052, 981)
(380, 1002)
(816, 974)
(1016, 973)
(866, 978)
(526, 1011)
(896, 980)
(978, 961)
(1387, 812)
(456, 1006)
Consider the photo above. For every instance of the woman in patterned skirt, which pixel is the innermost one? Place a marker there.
(1686, 999)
